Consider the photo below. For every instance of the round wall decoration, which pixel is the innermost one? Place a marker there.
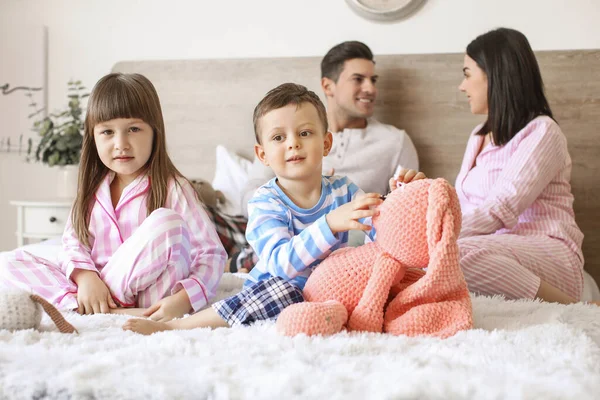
(385, 10)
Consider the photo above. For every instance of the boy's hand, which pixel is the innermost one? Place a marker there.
(405, 176)
(93, 295)
(174, 306)
(346, 217)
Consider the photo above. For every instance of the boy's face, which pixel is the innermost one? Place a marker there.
(354, 93)
(293, 142)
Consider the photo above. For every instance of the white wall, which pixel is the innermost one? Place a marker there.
(86, 37)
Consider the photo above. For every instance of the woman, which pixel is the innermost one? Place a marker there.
(519, 237)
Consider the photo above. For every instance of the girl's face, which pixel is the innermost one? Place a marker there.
(475, 86)
(124, 146)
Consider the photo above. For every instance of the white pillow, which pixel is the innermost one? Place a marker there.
(231, 175)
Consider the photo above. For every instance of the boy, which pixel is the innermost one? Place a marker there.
(296, 219)
(367, 151)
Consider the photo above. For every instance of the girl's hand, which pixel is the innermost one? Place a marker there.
(174, 306)
(93, 295)
(346, 217)
(405, 176)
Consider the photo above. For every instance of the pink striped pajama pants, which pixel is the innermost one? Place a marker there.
(142, 271)
(513, 265)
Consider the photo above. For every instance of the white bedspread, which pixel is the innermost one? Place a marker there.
(523, 349)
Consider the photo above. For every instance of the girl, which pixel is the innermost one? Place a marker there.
(137, 235)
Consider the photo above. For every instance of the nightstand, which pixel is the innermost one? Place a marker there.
(41, 219)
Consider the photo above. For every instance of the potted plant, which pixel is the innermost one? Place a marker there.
(61, 139)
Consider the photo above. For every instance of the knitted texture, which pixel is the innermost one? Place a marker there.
(17, 311)
(55, 315)
(383, 285)
(324, 318)
(21, 310)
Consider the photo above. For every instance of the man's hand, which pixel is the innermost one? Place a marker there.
(405, 176)
(346, 217)
(93, 295)
(174, 306)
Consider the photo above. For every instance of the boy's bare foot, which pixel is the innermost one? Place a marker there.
(134, 312)
(145, 326)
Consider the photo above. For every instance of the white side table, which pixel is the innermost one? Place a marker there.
(41, 219)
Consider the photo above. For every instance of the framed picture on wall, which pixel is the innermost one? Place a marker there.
(23, 84)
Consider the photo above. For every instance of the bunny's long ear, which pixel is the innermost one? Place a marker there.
(437, 304)
(58, 319)
(443, 213)
(443, 228)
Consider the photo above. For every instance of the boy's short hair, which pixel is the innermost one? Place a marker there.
(286, 94)
(333, 62)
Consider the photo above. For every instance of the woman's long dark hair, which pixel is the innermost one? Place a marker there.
(515, 86)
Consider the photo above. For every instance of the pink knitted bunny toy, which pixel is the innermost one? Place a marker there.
(383, 286)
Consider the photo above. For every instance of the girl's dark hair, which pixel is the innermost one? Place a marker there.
(515, 87)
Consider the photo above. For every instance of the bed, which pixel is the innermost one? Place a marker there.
(518, 349)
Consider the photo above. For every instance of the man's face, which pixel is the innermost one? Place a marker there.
(354, 92)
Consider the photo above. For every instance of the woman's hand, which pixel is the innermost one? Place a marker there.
(405, 176)
(93, 295)
(174, 306)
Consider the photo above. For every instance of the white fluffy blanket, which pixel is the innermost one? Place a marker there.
(521, 349)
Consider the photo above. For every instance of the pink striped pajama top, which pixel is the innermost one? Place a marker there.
(111, 226)
(522, 188)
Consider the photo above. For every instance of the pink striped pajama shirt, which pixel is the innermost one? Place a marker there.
(140, 258)
(518, 223)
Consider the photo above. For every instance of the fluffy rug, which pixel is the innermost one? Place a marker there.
(521, 349)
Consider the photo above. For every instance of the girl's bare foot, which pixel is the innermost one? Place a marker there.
(145, 326)
(134, 312)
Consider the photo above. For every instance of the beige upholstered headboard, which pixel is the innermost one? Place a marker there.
(210, 102)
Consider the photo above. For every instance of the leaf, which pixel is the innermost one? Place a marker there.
(53, 158)
(61, 131)
(61, 145)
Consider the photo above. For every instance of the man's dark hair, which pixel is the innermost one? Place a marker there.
(333, 62)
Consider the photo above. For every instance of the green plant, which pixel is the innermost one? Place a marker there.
(61, 133)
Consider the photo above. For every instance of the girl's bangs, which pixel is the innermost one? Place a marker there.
(116, 99)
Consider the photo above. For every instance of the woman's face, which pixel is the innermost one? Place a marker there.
(475, 86)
